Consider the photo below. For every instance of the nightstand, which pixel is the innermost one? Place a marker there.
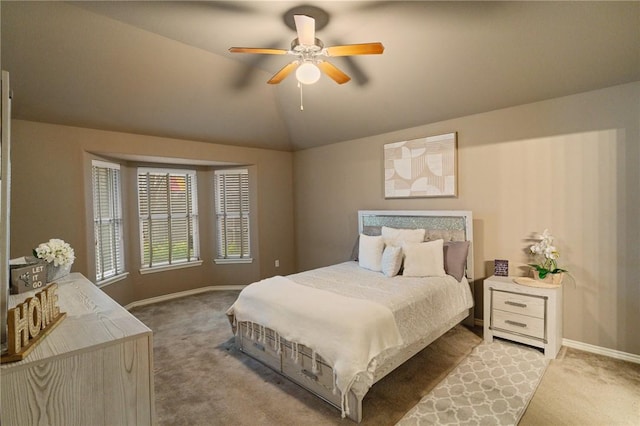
(530, 315)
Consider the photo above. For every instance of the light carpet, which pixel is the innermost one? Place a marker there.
(492, 386)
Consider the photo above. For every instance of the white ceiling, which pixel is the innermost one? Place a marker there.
(163, 68)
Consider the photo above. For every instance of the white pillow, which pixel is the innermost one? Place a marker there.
(399, 237)
(424, 259)
(370, 252)
(391, 260)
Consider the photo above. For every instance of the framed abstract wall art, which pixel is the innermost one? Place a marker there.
(424, 167)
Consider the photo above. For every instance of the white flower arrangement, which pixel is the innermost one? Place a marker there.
(545, 250)
(55, 251)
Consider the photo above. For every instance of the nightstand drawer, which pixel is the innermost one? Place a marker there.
(516, 323)
(519, 303)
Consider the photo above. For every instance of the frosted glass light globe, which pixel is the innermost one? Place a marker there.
(308, 73)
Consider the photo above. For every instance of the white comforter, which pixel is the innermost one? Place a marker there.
(419, 304)
(347, 332)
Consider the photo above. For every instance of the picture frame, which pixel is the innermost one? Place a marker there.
(423, 167)
(501, 268)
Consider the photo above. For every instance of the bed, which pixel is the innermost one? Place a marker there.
(299, 325)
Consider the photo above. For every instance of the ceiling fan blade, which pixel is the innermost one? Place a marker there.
(283, 73)
(356, 49)
(264, 51)
(333, 72)
(306, 28)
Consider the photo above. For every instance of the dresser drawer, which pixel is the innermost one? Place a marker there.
(516, 323)
(519, 303)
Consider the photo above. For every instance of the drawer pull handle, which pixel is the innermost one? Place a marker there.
(517, 304)
(517, 324)
(310, 375)
(258, 346)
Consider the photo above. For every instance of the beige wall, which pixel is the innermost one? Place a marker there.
(569, 164)
(51, 198)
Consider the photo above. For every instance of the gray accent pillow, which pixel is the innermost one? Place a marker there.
(455, 258)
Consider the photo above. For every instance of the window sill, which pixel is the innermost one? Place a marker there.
(112, 280)
(232, 261)
(164, 268)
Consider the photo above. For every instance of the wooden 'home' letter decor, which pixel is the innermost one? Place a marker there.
(31, 321)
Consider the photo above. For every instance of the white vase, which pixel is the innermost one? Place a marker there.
(57, 272)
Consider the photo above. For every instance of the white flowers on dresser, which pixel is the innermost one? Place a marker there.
(55, 251)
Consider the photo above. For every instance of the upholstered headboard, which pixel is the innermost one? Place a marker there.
(450, 225)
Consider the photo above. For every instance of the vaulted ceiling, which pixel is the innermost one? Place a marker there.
(163, 68)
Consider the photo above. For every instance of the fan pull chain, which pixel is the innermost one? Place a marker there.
(301, 105)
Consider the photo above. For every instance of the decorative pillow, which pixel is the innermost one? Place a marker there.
(391, 260)
(424, 259)
(399, 237)
(370, 252)
(455, 258)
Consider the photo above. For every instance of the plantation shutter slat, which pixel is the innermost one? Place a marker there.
(107, 218)
(168, 216)
(232, 213)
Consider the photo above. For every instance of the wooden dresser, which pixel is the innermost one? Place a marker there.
(95, 368)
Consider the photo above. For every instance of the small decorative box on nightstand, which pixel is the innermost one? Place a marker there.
(530, 315)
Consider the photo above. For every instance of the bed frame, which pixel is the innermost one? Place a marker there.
(449, 225)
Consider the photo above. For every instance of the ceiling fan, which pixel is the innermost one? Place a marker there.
(310, 53)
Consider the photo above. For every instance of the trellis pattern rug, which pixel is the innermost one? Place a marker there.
(492, 386)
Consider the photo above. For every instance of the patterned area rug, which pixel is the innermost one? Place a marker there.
(492, 386)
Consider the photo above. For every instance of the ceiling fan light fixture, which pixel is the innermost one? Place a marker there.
(308, 73)
(310, 51)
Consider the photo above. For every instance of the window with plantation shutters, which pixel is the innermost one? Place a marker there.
(232, 214)
(107, 220)
(168, 212)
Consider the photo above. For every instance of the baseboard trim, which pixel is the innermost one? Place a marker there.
(599, 350)
(612, 353)
(179, 294)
